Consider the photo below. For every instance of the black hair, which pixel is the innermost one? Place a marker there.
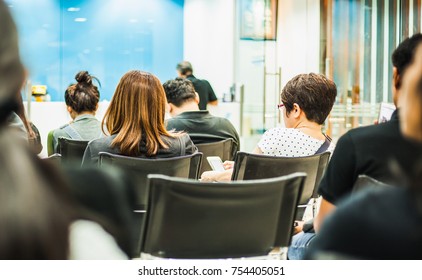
(314, 93)
(11, 69)
(179, 91)
(84, 95)
(184, 67)
(403, 55)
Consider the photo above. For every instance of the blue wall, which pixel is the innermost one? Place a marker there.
(58, 38)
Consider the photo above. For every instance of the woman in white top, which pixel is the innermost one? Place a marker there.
(306, 101)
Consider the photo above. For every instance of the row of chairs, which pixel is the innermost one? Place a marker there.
(248, 167)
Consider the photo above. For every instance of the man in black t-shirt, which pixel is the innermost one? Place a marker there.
(201, 126)
(202, 87)
(370, 150)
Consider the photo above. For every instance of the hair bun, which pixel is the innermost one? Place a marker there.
(83, 77)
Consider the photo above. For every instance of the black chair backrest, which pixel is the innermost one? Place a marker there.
(222, 149)
(72, 150)
(192, 219)
(366, 182)
(253, 166)
(140, 168)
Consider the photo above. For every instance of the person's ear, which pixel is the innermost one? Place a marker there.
(69, 109)
(296, 111)
(197, 99)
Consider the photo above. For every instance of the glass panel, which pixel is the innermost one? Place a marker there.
(256, 69)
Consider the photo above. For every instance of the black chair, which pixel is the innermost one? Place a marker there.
(72, 151)
(253, 166)
(196, 220)
(223, 149)
(139, 168)
(366, 182)
(108, 197)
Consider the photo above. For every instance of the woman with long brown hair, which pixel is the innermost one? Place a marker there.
(135, 122)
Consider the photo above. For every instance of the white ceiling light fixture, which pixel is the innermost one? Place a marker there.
(73, 9)
(81, 19)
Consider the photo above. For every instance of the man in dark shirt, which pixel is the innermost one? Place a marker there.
(370, 150)
(383, 223)
(202, 87)
(201, 126)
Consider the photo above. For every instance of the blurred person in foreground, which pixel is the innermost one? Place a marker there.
(38, 217)
(384, 223)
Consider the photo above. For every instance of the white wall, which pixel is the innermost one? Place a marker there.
(298, 37)
(209, 41)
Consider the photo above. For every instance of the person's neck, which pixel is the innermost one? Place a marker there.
(310, 128)
(82, 113)
(186, 107)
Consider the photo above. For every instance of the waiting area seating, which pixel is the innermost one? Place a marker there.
(72, 151)
(253, 166)
(189, 219)
(222, 149)
(139, 168)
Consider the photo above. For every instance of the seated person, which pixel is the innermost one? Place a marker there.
(370, 150)
(307, 99)
(135, 121)
(82, 103)
(383, 223)
(366, 150)
(201, 126)
(39, 219)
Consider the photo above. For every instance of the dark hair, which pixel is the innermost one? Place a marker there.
(403, 55)
(184, 67)
(82, 96)
(35, 213)
(314, 93)
(179, 91)
(11, 68)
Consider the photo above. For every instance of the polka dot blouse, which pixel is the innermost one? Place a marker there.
(290, 142)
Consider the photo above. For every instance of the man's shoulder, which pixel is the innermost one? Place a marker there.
(374, 132)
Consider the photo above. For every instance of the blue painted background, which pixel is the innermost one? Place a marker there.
(108, 38)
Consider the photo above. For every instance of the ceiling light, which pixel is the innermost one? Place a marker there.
(73, 9)
(80, 19)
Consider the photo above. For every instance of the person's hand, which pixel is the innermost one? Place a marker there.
(298, 228)
(228, 164)
(217, 176)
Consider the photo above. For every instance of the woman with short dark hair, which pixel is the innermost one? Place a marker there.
(306, 101)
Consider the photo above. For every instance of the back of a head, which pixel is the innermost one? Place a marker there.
(179, 91)
(184, 68)
(84, 95)
(314, 93)
(11, 69)
(136, 112)
(403, 55)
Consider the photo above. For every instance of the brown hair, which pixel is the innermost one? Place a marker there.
(314, 93)
(136, 113)
(84, 95)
